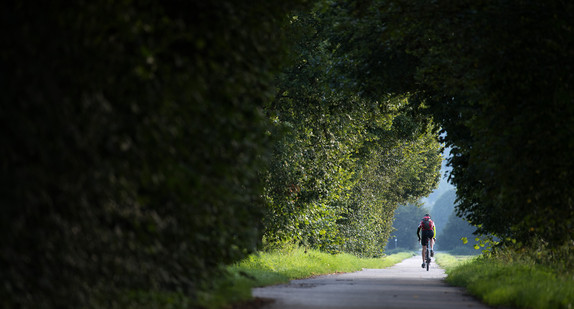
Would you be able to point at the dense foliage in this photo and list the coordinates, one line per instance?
(132, 137)
(497, 77)
(513, 168)
(343, 161)
(146, 144)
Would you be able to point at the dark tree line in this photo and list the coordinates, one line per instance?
(132, 139)
(497, 78)
(145, 144)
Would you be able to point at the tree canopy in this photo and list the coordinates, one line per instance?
(343, 161)
(147, 144)
(133, 135)
(504, 72)
(497, 78)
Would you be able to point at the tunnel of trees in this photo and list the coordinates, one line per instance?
(146, 144)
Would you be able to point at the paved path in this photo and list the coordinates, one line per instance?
(405, 285)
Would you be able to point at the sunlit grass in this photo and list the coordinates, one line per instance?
(268, 268)
(449, 261)
(297, 263)
(512, 284)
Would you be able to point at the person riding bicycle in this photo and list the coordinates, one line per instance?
(429, 232)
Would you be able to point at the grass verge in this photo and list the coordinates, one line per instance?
(449, 261)
(514, 284)
(281, 266)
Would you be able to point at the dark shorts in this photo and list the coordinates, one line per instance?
(426, 234)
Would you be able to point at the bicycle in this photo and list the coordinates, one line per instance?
(427, 255)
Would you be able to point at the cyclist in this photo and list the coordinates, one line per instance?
(429, 231)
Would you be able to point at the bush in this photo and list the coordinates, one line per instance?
(514, 278)
(132, 139)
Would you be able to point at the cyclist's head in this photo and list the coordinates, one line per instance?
(427, 215)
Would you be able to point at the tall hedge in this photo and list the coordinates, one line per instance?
(131, 140)
(496, 76)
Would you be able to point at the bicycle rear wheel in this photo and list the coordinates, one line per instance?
(428, 258)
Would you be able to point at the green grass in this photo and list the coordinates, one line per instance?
(449, 261)
(297, 263)
(281, 266)
(510, 283)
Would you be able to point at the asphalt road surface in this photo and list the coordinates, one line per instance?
(404, 285)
